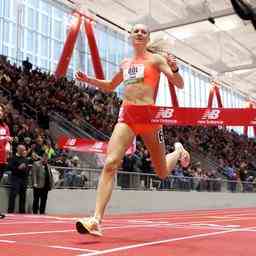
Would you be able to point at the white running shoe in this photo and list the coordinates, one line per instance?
(184, 154)
(89, 225)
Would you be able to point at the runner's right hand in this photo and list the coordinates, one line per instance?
(82, 77)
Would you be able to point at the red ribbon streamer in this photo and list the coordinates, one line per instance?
(94, 50)
(69, 45)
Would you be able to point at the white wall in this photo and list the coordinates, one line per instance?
(66, 201)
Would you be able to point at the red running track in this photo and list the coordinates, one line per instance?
(228, 232)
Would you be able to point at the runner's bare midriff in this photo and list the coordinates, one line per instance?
(139, 94)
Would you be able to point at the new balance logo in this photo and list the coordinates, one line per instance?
(71, 142)
(211, 114)
(98, 145)
(164, 113)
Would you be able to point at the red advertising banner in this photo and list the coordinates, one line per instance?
(167, 116)
(87, 145)
(190, 116)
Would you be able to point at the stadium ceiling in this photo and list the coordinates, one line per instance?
(206, 33)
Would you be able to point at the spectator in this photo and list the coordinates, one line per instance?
(4, 144)
(232, 178)
(4, 141)
(72, 176)
(19, 179)
(38, 147)
(49, 149)
(27, 66)
(43, 119)
(42, 180)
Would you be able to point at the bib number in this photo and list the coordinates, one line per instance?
(133, 74)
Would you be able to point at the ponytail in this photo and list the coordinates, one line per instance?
(160, 46)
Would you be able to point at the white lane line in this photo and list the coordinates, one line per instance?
(7, 241)
(180, 214)
(250, 229)
(46, 217)
(153, 224)
(70, 230)
(156, 243)
(72, 248)
(73, 230)
(185, 213)
(155, 221)
(148, 222)
(205, 222)
(182, 226)
(184, 217)
(38, 232)
(33, 222)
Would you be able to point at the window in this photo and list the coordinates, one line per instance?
(57, 47)
(30, 40)
(44, 45)
(6, 32)
(14, 33)
(31, 18)
(5, 50)
(44, 64)
(45, 24)
(57, 13)
(45, 7)
(33, 3)
(1, 8)
(57, 30)
(6, 8)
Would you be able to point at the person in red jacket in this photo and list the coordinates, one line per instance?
(4, 143)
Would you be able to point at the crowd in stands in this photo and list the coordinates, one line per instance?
(233, 152)
(44, 93)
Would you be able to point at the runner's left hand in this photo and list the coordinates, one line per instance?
(171, 60)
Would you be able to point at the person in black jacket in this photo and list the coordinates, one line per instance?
(19, 179)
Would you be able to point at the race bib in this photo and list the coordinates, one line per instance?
(133, 74)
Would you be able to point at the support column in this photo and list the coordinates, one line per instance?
(214, 90)
(173, 94)
(69, 45)
(249, 104)
(98, 70)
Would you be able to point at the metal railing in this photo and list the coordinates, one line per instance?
(97, 134)
(77, 131)
(86, 178)
(5, 92)
(29, 111)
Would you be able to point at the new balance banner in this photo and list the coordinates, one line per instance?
(189, 116)
(87, 145)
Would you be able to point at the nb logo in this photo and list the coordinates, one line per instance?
(164, 113)
(71, 142)
(211, 114)
(98, 145)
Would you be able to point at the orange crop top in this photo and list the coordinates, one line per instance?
(135, 72)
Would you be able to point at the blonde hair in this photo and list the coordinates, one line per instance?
(160, 45)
